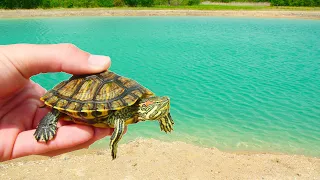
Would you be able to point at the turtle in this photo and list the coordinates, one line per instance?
(103, 100)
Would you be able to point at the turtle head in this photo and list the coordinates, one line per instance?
(153, 108)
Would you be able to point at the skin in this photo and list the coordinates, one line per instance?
(19, 98)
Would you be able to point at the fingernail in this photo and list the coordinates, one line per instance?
(99, 61)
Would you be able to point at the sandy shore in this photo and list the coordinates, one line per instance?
(120, 12)
(152, 159)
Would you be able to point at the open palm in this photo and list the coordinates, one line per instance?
(20, 110)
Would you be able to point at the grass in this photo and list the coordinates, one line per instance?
(220, 7)
(213, 7)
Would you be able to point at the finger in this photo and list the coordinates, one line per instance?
(32, 59)
(37, 88)
(66, 137)
(99, 133)
(19, 62)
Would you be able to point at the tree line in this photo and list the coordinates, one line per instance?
(30, 4)
(310, 3)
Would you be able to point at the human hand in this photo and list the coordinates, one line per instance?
(19, 98)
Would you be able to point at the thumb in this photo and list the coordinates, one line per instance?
(21, 61)
(31, 59)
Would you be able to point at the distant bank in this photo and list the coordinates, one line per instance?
(265, 13)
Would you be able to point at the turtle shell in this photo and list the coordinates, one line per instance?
(91, 96)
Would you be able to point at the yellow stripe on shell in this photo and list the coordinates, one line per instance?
(100, 125)
(70, 88)
(46, 103)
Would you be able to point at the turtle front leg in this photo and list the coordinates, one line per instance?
(47, 128)
(166, 123)
(116, 136)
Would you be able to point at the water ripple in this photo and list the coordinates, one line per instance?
(243, 84)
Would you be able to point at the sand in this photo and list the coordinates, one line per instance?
(153, 159)
(127, 12)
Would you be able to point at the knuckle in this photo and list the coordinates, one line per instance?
(69, 48)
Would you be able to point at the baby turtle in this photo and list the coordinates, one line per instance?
(102, 100)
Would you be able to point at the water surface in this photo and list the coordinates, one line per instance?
(235, 83)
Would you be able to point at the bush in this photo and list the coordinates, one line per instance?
(87, 3)
(131, 3)
(46, 4)
(2, 4)
(193, 2)
(146, 3)
(29, 4)
(105, 3)
(118, 3)
(295, 2)
(160, 2)
(69, 4)
(171, 2)
(24, 4)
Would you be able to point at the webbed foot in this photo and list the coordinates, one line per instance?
(47, 128)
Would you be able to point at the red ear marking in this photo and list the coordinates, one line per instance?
(148, 103)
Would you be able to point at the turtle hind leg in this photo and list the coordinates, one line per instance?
(116, 136)
(166, 123)
(46, 130)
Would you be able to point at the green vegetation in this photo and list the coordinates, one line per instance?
(296, 3)
(28, 4)
(310, 3)
(227, 1)
(162, 4)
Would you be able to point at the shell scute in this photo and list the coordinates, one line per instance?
(73, 106)
(61, 103)
(52, 100)
(69, 88)
(109, 91)
(87, 106)
(87, 90)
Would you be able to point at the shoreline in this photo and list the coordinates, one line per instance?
(130, 12)
(156, 159)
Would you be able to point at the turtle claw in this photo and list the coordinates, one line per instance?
(114, 152)
(45, 133)
(47, 127)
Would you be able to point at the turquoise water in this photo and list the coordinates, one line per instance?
(238, 84)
